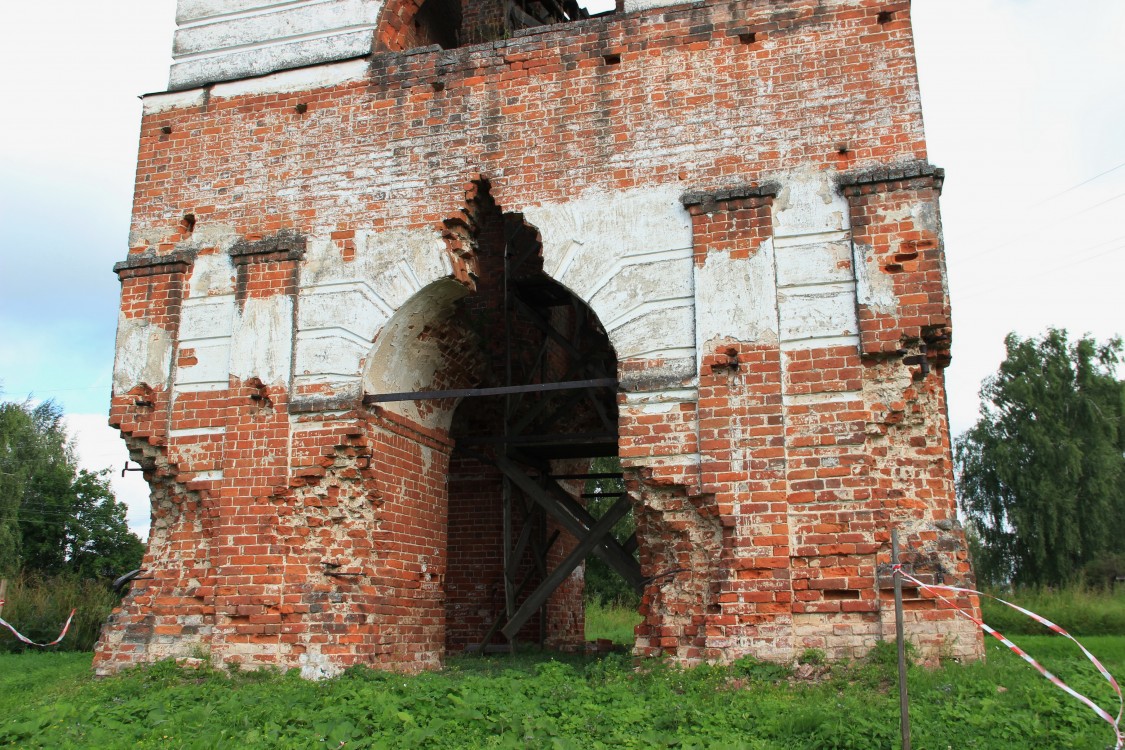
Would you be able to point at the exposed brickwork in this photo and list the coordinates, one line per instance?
(731, 200)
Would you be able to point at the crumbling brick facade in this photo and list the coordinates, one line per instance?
(727, 207)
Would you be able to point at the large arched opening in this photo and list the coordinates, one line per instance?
(520, 376)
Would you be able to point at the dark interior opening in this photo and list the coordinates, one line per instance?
(518, 472)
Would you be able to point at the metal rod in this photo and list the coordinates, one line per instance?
(903, 702)
(567, 385)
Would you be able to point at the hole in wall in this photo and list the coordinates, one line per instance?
(749, 37)
(611, 59)
(188, 223)
(885, 17)
(836, 595)
(451, 23)
(437, 22)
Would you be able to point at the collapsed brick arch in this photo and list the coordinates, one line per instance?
(408, 24)
(399, 27)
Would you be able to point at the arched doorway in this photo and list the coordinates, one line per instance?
(542, 406)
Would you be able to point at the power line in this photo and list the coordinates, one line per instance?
(1087, 181)
(973, 289)
(1038, 228)
(1051, 270)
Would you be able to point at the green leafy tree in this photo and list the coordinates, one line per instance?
(1041, 476)
(54, 517)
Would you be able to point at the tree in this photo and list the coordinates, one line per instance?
(1041, 476)
(55, 517)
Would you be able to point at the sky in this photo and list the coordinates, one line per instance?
(1024, 105)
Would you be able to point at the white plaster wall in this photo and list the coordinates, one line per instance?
(261, 343)
(629, 256)
(816, 291)
(343, 305)
(401, 362)
(736, 299)
(632, 5)
(874, 287)
(228, 39)
(144, 355)
(207, 321)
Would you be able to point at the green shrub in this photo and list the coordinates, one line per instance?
(38, 606)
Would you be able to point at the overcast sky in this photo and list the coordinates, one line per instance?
(1024, 104)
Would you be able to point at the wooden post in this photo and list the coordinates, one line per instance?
(903, 703)
(3, 593)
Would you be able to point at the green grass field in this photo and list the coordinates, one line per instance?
(50, 700)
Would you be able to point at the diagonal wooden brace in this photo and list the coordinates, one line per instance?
(577, 520)
(595, 537)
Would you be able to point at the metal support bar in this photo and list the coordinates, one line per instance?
(604, 475)
(541, 439)
(595, 537)
(903, 701)
(503, 390)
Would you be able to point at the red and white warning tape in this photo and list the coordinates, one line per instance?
(1101, 712)
(27, 640)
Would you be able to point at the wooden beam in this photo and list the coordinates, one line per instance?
(595, 537)
(575, 519)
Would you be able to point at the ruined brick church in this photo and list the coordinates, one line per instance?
(401, 271)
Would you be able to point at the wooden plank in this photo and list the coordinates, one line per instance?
(595, 537)
(500, 619)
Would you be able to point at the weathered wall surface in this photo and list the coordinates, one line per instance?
(739, 192)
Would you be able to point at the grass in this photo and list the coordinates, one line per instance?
(612, 623)
(50, 700)
(1081, 611)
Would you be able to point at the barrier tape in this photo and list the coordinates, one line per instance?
(1102, 713)
(27, 640)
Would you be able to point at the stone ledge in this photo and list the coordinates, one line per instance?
(150, 264)
(285, 245)
(708, 200)
(899, 173)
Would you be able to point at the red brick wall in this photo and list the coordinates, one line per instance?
(765, 482)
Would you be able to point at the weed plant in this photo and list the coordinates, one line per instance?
(538, 701)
